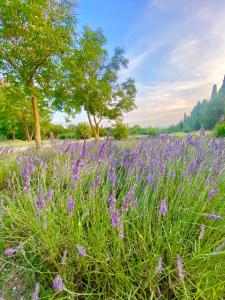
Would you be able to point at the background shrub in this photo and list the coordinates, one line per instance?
(67, 136)
(220, 130)
(152, 131)
(83, 131)
(120, 131)
(103, 131)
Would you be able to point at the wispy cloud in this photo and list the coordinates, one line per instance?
(194, 62)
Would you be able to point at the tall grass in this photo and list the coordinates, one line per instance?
(134, 220)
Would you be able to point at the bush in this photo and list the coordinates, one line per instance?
(136, 129)
(103, 131)
(220, 130)
(152, 131)
(120, 131)
(67, 136)
(83, 131)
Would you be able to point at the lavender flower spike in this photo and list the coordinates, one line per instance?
(213, 216)
(115, 218)
(49, 195)
(159, 268)
(71, 205)
(58, 283)
(10, 251)
(35, 295)
(212, 193)
(180, 270)
(41, 201)
(81, 250)
(163, 210)
(202, 231)
(219, 248)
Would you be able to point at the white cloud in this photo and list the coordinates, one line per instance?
(165, 103)
(195, 63)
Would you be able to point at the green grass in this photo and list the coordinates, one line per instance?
(115, 268)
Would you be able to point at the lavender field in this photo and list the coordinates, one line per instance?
(141, 219)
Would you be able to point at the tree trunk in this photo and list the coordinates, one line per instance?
(96, 132)
(95, 128)
(32, 134)
(37, 128)
(27, 134)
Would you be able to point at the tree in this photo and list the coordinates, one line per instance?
(34, 35)
(91, 82)
(16, 116)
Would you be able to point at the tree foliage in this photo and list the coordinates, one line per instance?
(120, 131)
(34, 35)
(90, 81)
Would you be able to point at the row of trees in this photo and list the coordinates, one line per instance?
(206, 113)
(138, 130)
(46, 65)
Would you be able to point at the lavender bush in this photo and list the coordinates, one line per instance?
(142, 219)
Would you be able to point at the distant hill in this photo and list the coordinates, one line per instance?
(206, 113)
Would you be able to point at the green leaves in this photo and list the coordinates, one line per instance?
(90, 80)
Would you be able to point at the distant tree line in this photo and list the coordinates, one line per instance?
(206, 113)
(138, 130)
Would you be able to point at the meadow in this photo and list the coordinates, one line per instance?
(135, 219)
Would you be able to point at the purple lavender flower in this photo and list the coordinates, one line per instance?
(115, 218)
(26, 172)
(40, 202)
(76, 170)
(81, 250)
(135, 202)
(112, 201)
(121, 231)
(163, 210)
(84, 152)
(212, 193)
(96, 182)
(213, 216)
(71, 205)
(180, 270)
(112, 177)
(49, 195)
(149, 179)
(159, 267)
(101, 151)
(10, 251)
(58, 283)
(127, 199)
(35, 295)
(219, 248)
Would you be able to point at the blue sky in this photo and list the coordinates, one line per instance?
(176, 50)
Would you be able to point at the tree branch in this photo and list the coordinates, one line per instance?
(9, 60)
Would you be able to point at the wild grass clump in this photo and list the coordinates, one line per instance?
(137, 220)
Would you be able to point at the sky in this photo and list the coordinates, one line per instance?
(176, 52)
